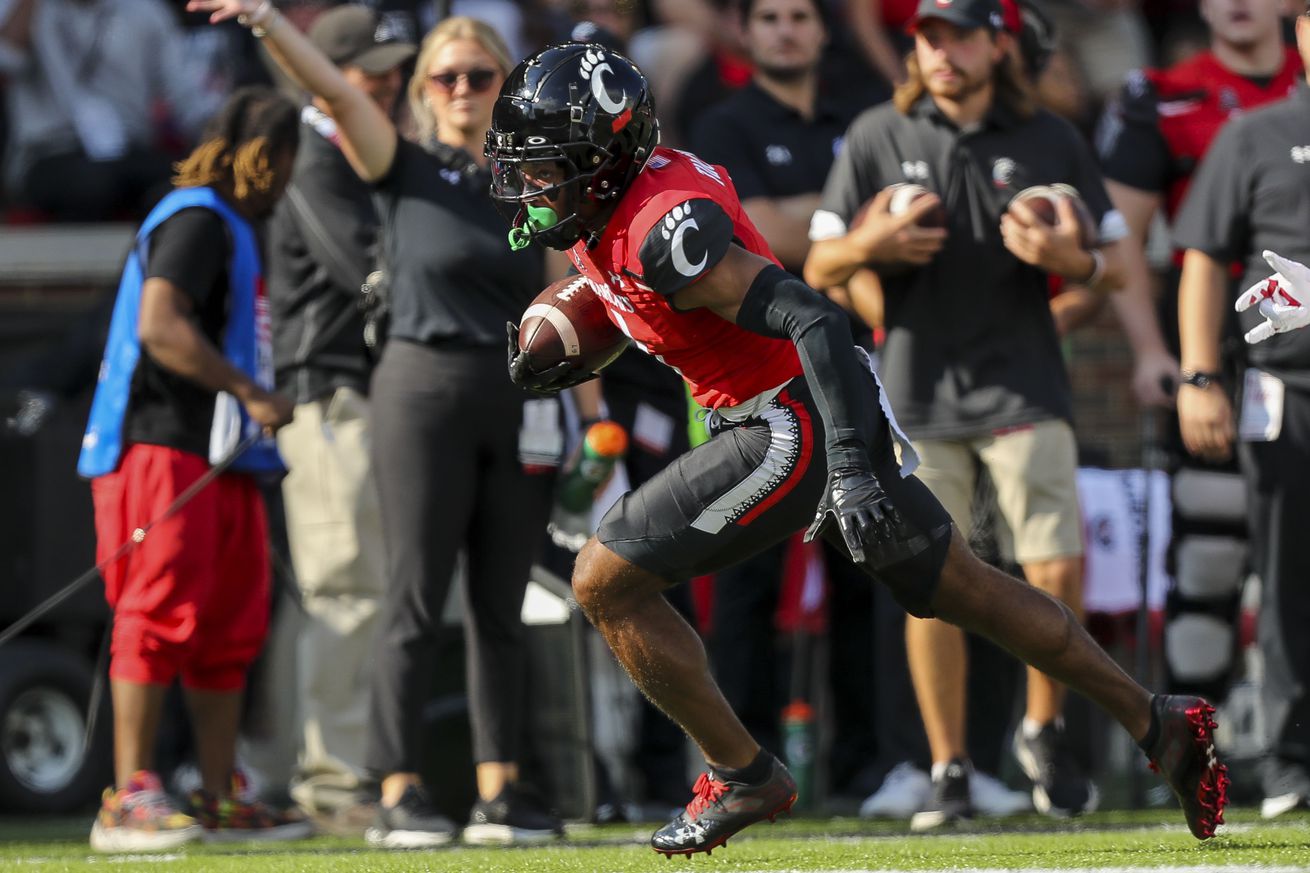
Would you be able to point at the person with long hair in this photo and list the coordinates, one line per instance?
(186, 381)
(461, 461)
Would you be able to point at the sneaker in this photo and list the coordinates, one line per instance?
(141, 818)
(951, 802)
(1184, 754)
(1287, 787)
(1060, 787)
(517, 815)
(904, 791)
(413, 823)
(240, 817)
(992, 798)
(721, 808)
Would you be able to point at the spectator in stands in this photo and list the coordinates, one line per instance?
(183, 360)
(323, 243)
(461, 461)
(964, 127)
(87, 80)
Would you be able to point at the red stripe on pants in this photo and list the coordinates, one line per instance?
(802, 463)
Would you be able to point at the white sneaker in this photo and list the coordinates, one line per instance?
(992, 798)
(904, 791)
(1273, 807)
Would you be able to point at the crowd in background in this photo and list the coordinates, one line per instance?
(402, 459)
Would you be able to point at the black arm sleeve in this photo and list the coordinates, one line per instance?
(782, 306)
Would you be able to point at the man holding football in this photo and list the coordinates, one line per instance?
(800, 422)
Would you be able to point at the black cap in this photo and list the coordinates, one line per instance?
(356, 36)
(963, 13)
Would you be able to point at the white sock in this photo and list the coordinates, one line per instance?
(1032, 728)
(939, 767)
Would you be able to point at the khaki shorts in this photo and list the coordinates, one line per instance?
(1034, 469)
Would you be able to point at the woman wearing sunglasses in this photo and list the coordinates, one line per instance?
(455, 464)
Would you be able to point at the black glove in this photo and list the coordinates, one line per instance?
(548, 382)
(872, 529)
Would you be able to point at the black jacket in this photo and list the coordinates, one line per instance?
(315, 268)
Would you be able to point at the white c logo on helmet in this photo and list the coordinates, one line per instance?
(594, 67)
(602, 94)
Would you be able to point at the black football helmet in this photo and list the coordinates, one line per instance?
(579, 105)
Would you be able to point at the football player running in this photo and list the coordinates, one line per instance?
(1282, 298)
(799, 422)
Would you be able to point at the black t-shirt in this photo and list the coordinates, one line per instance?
(768, 148)
(191, 250)
(1251, 193)
(971, 346)
(454, 280)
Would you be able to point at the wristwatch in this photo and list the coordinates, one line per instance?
(1199, 379)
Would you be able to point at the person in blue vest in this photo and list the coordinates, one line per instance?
(186, 383)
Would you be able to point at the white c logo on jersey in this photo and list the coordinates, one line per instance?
(680, 262)
(602, 94)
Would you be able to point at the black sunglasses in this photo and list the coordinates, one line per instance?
(478, 80)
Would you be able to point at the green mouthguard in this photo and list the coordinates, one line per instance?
(539, 218)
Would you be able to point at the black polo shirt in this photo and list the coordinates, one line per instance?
(971, 347)
(1251, 193)
(768, 148)
(454, 280)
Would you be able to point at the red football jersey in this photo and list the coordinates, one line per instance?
(1196, 97)
(672, 226)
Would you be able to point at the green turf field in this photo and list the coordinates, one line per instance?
(1105, 841)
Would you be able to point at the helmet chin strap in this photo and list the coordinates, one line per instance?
(539, 218)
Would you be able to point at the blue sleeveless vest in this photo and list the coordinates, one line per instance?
(247, 339)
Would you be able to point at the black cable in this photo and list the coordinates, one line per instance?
(138, 536)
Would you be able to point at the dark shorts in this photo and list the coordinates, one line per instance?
(756, 483)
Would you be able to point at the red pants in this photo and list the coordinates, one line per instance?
(192, 599)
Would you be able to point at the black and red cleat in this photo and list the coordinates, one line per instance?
(721, 808)
(1184, 754)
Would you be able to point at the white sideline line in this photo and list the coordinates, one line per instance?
(1198, 868)
(144, 858)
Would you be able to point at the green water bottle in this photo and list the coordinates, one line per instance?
(603, 445)
(798, 744)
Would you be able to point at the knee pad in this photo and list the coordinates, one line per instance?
(913, 582)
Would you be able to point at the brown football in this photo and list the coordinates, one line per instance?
(904, 194)
(1041, 200)
(567, 322)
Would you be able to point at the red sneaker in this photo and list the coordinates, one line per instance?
(721, 808)
(1184, 755)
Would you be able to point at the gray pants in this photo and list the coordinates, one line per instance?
(445, 452)
(335, 531)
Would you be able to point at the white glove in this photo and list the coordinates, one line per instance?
(1282, 298)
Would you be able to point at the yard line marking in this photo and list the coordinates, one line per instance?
(1194, 868)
